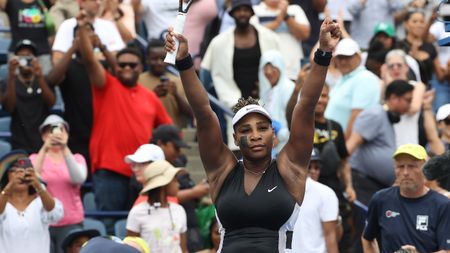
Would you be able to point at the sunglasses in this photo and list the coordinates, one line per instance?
(393, 65)
(129, 64)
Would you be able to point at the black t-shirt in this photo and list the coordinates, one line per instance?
(77, 95)
(28, 114)
(321, 136)
(426, 67)
(245, 68)
(186, 182)
(27, 22)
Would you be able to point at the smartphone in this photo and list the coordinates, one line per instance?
(56, 129)
(163, 79)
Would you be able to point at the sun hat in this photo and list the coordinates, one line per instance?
(146, 153)
(9, 159)
(157, 174)
(414, 150)
(347, 47)
(53, 120)
(250, 109)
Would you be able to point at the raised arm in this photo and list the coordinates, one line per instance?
(9, 96)
(95, 70)
(3, 4)
(216, 157)
(57, 74)
(298, 149)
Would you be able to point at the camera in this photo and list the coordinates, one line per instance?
(56, 129)
(25, 61)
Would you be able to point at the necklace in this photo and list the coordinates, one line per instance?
(255, 173)
(28, 84)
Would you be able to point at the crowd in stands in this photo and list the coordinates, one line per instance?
(88, 106)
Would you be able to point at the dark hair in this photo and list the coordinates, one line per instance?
(154, 43)
(75, 29)
(242, 102)
(131, 50)
(154, 194)
(411, 12)
(398, 88)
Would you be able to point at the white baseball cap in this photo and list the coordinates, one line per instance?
(347, 47)
(443, 112)
(250, 109)
(146, 153)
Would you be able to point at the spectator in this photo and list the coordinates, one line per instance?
(26, 19)
(160, 223)
(396, 68)
(70, 74)
(144, 155)
(75, 239)
(371, 144)
(26, 96)
(355, 91)
(106, 31)
(317, 231)
(424, 52)
(122, 14)
(26, 207)
(441, 80)
(443, 119)
(367, 13)
(139, 111)
(383, 41)
(291, 24)
(64, 9)
(166, 85)
(335, 171)
(232, 58)
(157, 15)
(214, 237)
(168, 137)
(201, 14)
(417, 217)
(275, 89)
(64, 173)
(312, 9)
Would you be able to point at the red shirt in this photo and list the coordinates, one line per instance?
(124, 119)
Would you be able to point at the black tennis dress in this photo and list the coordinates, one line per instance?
(261, 222)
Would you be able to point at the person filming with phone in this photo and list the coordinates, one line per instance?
(26, 207)
(26, 95)
(64, 173)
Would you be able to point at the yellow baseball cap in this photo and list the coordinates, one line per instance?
(413, 150)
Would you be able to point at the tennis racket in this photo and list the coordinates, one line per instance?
(178, 28)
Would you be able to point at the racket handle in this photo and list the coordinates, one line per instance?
(178, 29)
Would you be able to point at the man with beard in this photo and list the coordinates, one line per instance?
(124, 114)
(231, 61)
(27, 97)
(166, 85)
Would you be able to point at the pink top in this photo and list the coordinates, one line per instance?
(59, 185)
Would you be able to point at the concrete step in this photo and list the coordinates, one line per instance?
(189, 134)
(192, 151)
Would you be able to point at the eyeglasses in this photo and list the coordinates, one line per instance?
(447, 121)
(393, 65)
(125, 64)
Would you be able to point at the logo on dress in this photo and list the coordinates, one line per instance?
(270, 190)
(422, 222)
(391, 214)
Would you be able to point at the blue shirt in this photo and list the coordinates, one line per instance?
(359, 89)
(422, 222)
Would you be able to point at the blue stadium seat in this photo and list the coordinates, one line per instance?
(120, 229)
(89, 202)
(89, 223)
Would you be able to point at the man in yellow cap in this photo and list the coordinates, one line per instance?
(409, 215)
